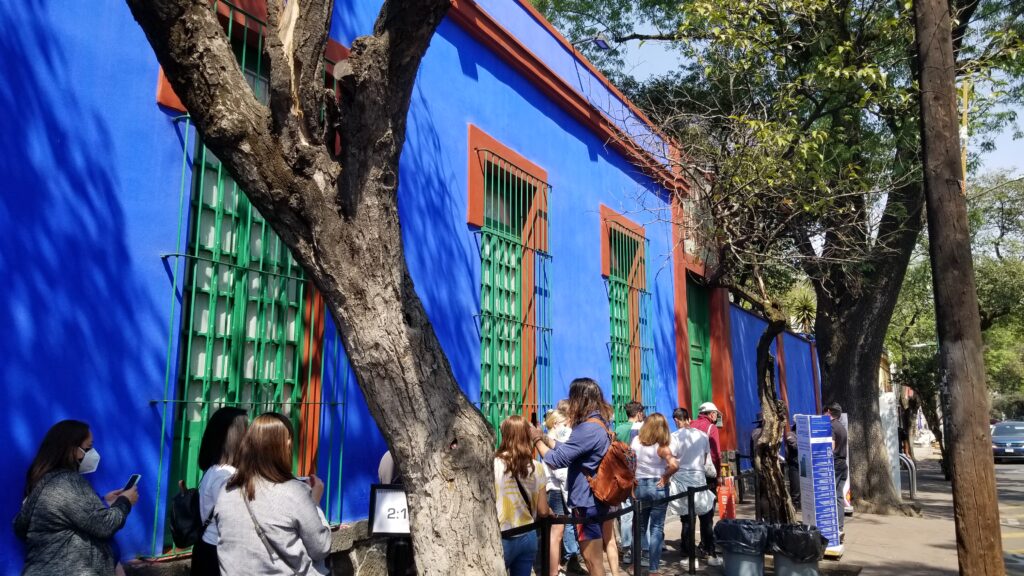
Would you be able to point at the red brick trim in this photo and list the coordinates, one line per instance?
(722, 382)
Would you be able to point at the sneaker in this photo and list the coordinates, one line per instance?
(645, 559)
(626, 558)
(714, 561)
(701, 553)
(685, 564)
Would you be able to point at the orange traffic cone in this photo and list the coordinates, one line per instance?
(726, 499)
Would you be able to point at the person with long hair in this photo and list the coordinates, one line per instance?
(217, 453)
(655, 465)
(519, 493)
(268, 520)
(66, 527)
(582, 453)
(562, 535)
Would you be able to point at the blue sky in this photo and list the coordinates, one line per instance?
(652, 58)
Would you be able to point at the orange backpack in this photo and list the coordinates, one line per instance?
(616, 474)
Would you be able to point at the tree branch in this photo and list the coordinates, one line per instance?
(191, 46)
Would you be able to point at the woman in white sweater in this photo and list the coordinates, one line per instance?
(264, 496)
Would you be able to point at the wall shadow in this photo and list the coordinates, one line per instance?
(78, 324)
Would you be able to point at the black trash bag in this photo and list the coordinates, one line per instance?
(798, 542)
(742, 536)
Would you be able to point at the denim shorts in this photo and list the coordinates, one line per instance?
(592, 531)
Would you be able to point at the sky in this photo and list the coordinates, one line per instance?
(652, 58)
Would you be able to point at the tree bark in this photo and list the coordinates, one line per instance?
(975, 506)
(340, 219)
(850, 331)
(766, 452)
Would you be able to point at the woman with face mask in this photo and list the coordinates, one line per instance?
(66, 527)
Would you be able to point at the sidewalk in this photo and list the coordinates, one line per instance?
(875, 545)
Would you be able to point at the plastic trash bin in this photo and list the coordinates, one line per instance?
(797, 549)
(743, 543)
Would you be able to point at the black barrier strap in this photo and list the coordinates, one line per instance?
(544, 525)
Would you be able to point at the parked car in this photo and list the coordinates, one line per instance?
(1008, 441)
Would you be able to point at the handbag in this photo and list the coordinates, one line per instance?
(272, 550)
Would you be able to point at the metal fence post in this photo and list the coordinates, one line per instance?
(637, 534)
(545, 546)
(692, 536)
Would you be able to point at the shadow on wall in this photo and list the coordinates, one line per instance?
(77, 325)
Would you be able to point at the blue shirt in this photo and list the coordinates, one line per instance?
(581, 454)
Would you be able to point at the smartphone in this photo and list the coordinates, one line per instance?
(132, 481)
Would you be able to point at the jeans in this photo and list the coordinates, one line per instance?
(520, 552)
(652, 518)
(558, 507)
(626, 527)
(841, 473)
(707, 521)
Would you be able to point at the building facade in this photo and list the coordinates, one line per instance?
(143, 291)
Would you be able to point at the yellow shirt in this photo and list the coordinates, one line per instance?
(512, 510)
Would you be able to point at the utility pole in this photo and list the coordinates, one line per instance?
(975, 507)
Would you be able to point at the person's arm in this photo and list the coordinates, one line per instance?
(84, 510)
(672, 465)
(310, 521)
(541, 494)
(566, 452)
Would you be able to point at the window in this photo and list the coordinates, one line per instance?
(508, 205)
(251, 330)
(624, 250)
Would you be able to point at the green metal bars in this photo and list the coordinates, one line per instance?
(515, 336)
(629, 309)
(251, 329)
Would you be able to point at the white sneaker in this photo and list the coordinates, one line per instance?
(685, 564)
(714, 561)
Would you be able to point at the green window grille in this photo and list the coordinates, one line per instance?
(251, 327)
(515, 334)
(629, 310)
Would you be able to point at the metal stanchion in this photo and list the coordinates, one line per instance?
(637, 534)
(692, 537)
(545, 546)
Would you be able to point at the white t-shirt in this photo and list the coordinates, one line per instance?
(691, 448)
(557, 478)
(213, 481)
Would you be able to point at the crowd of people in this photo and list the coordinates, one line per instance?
(578, 435)
(258, 518)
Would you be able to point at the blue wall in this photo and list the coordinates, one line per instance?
(799, 378)
(460, 83)
(91, 172)
(746, 330)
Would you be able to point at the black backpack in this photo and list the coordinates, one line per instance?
(187, 525)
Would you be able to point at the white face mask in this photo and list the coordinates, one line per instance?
(90, 462)
(560, 432)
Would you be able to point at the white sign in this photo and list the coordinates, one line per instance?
(389, 510)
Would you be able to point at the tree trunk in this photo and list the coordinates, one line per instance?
(850, 329)
(339, 217)
(772, 481)
(975, 506)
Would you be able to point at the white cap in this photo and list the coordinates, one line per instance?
(707, 407)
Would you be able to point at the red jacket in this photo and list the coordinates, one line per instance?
(705, 425)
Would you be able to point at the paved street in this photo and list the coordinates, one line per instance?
(1010, 481)
(923, 546)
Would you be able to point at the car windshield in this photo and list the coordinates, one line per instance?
(1009, 430)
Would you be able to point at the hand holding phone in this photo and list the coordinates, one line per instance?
(132, 481)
